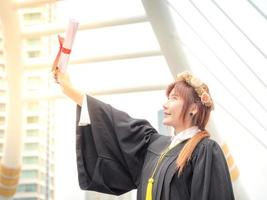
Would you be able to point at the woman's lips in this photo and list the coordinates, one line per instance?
(166, 114)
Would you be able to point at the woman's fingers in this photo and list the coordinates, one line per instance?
(55, 69)
(55, 63)
(55, 74)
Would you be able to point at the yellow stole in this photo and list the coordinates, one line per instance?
(185, 153)
(151, 179)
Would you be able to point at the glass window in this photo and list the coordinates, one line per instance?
(2, 120)
(42, 176)
(30, 160)
(32, 106)
(33, 16)
(2, 132)
(2, 82)
(27, 188)
(2, 67)
(33, 41)
(2, 107)
(29, 174)
(32, 119)
(31, 146)
(2, 92)
(51, 193)
(43, 190)
(42, 162)
(34, 54)
(32, 132)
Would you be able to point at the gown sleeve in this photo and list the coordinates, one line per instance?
(110, 151)
(211, 179)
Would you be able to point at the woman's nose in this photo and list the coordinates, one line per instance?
(165, 105)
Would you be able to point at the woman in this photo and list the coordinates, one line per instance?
(116, 153)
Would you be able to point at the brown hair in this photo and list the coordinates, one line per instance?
(200, 119)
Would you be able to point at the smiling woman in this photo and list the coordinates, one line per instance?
(126, 53)
(117, 153)
(191, 96)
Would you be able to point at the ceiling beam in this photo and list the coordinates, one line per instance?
(107, 58)
(164, 28)
(51, 29)
(33, 3)
(52, 96)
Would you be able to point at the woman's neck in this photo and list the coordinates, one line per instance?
(182, 128)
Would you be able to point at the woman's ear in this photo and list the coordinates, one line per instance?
(193, 109)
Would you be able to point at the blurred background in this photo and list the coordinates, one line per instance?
(125, 53)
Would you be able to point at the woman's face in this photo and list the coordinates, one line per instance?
(172, 110)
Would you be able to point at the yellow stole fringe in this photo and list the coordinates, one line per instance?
(149, 188)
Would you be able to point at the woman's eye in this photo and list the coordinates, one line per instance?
(173, 98)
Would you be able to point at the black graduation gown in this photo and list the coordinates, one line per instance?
(117, 153)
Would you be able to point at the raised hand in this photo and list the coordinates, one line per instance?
(63, 79)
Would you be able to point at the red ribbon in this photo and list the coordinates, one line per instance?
(61, 49)
(65, 50)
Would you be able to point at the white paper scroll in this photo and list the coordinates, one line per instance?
(67, 45)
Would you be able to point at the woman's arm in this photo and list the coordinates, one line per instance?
(67, 88)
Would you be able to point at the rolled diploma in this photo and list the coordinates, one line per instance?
(67, 44)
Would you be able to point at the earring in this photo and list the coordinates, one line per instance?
(191, 114)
